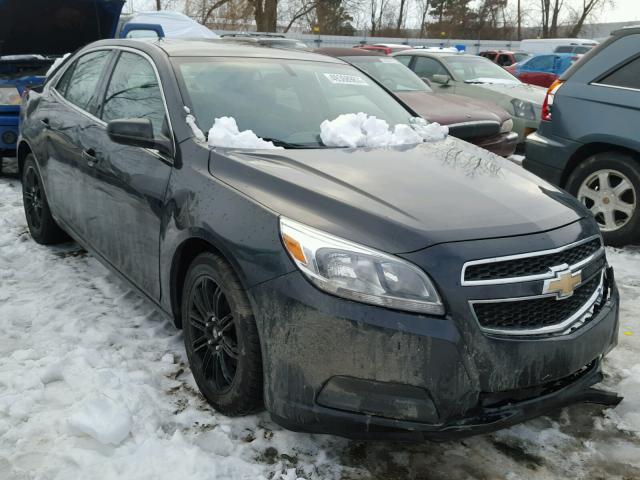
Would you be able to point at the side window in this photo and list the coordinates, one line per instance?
(84, 76)
(543, 63)
(428, 67)
(63, 83)
(134, 92)
(404, 59)
(627, 76)
(504, 60)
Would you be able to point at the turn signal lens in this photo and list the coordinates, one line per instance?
(294, 248)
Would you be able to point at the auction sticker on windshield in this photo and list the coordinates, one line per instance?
(342, 79)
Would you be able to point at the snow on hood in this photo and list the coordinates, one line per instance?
(225, 133)
(174, 24)
(361, 130)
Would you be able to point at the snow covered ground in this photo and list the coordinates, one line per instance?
(93, 384)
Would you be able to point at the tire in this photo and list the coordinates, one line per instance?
(620, 174)
(218, 323)
(42, 226)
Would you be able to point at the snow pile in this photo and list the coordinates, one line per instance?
(225, 133)
(494, 81)
(361, 130)
(102, 419)
(191, 122)
(72, 335)
(58, 61)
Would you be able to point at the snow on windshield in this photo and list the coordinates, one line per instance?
(361, 130)
(225, 133)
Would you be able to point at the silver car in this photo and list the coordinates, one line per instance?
(478, 77)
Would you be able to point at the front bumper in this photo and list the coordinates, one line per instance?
(8, 133)
(504, 144)
(336, 366)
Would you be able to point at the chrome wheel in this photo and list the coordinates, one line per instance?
(610, 196)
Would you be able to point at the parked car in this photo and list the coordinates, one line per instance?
(481, 123)
(30, 44)
(549, 45)
(385, 48)
(424, 291)
(479, 78)
(543, 70)
(505, 58)
(273, 42)
(588, 140)
(575, 49)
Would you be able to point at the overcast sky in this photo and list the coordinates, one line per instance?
(624, 11)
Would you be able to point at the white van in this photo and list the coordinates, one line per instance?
(549, 45)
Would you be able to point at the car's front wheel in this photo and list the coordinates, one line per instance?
(221, 337)
(42, 225)
(608, 184)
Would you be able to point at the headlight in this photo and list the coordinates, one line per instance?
(359, 273)
(523, 109)
(9, 96)
(506, 126)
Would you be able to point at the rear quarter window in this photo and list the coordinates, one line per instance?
(627, 76)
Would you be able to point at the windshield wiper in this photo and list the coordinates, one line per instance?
(281, 143)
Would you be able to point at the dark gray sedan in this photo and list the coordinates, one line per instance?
(427, 290)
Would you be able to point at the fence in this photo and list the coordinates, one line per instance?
(471, 46)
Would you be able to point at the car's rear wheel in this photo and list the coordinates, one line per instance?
(221, 337)
(608, 184)
(42, 226)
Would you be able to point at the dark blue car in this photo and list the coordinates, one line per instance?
(30, 44)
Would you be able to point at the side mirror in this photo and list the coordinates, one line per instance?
(137, 132)
(426, 80)
(441, 79)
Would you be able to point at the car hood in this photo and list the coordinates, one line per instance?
(55, 27)
(399, 199)
(531, 93)
(447, 108)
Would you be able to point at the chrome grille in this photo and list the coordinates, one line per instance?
(531, 266)
(531, 314)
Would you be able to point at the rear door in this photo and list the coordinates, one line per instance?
(68, 115)
(128, 184)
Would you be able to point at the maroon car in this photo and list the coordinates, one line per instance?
(481, 123)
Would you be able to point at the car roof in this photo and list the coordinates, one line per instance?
(427, 53)
(225, 47)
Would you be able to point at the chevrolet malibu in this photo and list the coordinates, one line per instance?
(420, 291)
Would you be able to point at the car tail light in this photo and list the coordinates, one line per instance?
(547, 106)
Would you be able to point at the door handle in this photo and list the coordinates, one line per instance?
(90, 156)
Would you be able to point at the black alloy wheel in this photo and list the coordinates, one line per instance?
(221, 337)
(214, 337)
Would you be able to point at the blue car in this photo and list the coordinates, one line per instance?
(29, 45)
(544, 69)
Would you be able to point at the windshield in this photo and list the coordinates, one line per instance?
(479, 70)
(520, 57)
(389, 72)
(282, 100)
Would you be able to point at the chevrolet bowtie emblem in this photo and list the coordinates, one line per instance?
(563, 284)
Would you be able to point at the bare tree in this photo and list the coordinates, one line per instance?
(588, 7)
(550, 11)
(298, 10)
(266, 14)
(423, 11)
(403, 4)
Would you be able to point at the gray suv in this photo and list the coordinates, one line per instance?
(588, 141)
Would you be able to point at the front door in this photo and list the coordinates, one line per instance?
(129, 183)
